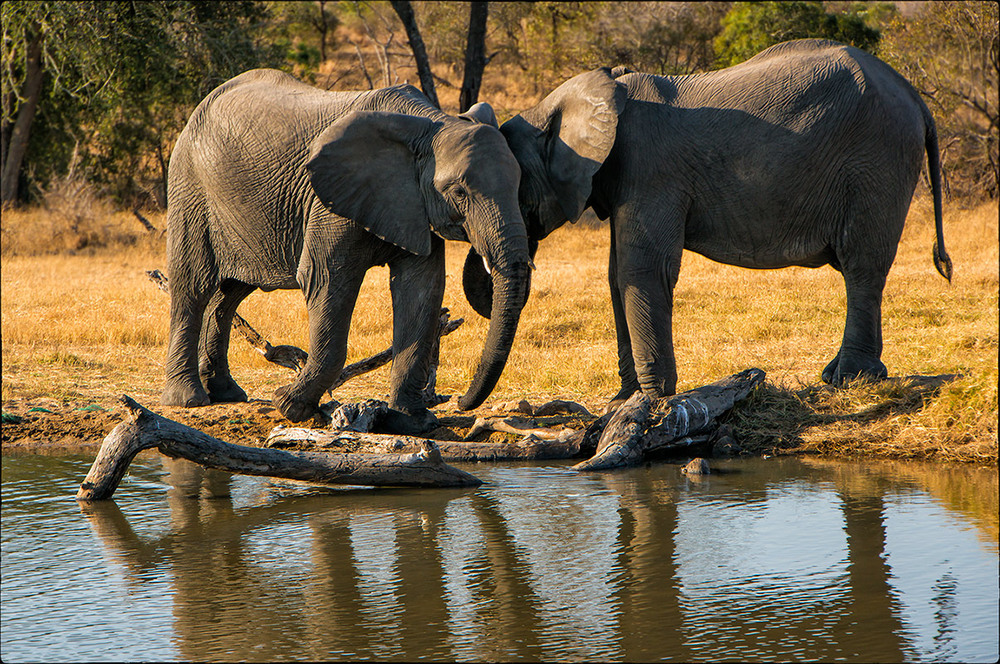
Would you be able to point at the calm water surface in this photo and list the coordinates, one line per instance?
(776, 559)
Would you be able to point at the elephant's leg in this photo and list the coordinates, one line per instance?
(861, 350)
(647, 273)
(626, 365)
(417, 287)
(330, 305)
(213, 353)
(183, 386)
(865, 258)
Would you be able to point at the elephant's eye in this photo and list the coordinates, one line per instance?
(459, 199)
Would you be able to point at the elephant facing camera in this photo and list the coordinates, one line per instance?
(276, 184)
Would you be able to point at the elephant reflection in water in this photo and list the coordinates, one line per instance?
(491, 574)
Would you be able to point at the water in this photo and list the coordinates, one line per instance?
(777, 559)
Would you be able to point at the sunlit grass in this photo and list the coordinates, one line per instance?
(91, 325)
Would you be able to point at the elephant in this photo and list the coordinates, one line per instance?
(276, 184)
(807, 154)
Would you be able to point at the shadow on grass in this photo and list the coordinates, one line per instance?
(776, 419)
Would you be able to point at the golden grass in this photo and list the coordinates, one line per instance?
(89, 326)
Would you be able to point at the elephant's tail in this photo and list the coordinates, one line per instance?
(941, 259)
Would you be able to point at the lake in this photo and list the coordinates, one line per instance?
(769, 559)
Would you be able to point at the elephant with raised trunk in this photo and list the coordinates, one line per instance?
(276, 184)
(807, 154)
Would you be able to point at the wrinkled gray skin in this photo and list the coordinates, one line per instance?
(807, 154)
(276, 184)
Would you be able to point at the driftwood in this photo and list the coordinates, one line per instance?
(142, 220)
(554, 407)
(528, 448)
(294, 358)
(627, 436)
(519, 426)
(145, 429)
(640, 426)
(352, 427)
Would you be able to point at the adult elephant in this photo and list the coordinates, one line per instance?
(806, 154)
(276, 184)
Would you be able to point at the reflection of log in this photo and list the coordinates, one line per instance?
(528, 447)
(146, 429)
(294, 358)
(640, 426)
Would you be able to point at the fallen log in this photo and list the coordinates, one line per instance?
(518, 426)
(621, 442)
(150, 228)
(694, 411)
(528, 448)
(145, 429)
(554, 407)
(640, 426)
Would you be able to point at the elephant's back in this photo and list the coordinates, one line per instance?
(800, 85)
(280, 112)
(239, 165)
(778, 146)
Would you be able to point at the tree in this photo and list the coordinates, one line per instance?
(404, 10)
(664, 38)
(114, 82)
(35, 40)
(950, 53)
(750, 27)
(475, 56)
(296, 26)
(448, 29)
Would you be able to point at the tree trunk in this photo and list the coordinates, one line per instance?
(17, 145)
(528, 448)
(405, 12)
(145, 429)
(641, 426)
(475, 55)
(322, 27)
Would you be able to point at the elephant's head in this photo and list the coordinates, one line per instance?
(404, 177)
(560, 144)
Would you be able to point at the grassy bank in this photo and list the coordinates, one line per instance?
(81, 324)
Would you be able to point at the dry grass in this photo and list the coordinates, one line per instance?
(83, 327)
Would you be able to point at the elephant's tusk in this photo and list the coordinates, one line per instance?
(487, 266)
(531, 263)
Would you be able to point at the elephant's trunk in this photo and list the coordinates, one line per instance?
(510, 292)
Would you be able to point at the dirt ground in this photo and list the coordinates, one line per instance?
(47, 426)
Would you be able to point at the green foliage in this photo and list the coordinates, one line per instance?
(665, 38)
(550, 41)
(750, 27)
(119, 81)
(121, 78)
(304, 32)
(444, 28)
(950, 53)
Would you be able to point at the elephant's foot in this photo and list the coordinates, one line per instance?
(417, 422)
(185, 395)
(223, 389)
(846, 368)
(623, 395)
(292, 406)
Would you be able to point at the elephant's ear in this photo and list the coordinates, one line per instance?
(578, 122)
(364, 167)
(482, 113)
